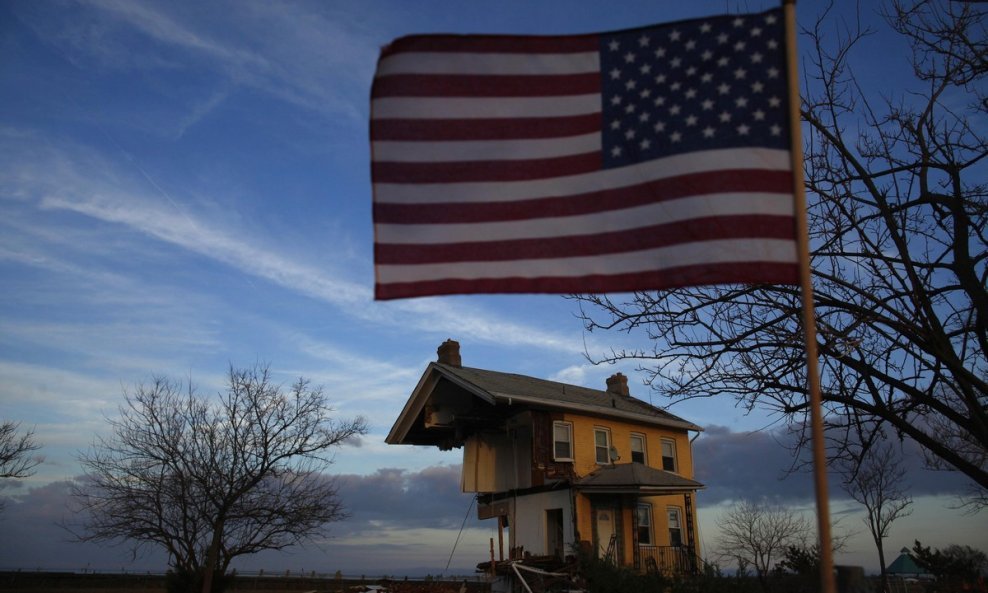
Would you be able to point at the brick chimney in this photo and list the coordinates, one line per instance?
(449, 353)
(618, 385)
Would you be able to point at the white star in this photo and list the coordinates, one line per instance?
(613, 45)
(690, 44)
(690, 93)
(773, 44)
(630, 84)
(739, 46)
(616, 100)
(616, 124)
(707, 77)
(774, 102)
(629, 57)
(674, 35)
(741, 102)
(724, 88)
(660, 52)
(691, 120)
(722, 61)
(691, 71)
(708, 132)
(773, 72)
(675, 137)
(707, 104)
(756, 58)
(645, 144)
(757, 87)
(756, 31)
(675, 86)
(706, 55)
(616, 151)
(759, 115)
(770, 19)
(660, 101)
(659, 126)
(660, 79)
(725, 116)
(722, 38)
(645, 69)
(643, 41)
(743, 130)
(629, 134)
(705, 28)
(674, 110)
(629, 108)
(645, 93)
(615, 74)
(740, 73)
(675, 62)
(643, 116)
(776, 130)
(738, 22)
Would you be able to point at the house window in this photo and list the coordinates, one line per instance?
(675, 527)
(669, 455)
(645, 525)
(638, 448)
(602, 445)
(562, 441)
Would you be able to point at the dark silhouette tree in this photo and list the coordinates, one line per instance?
(16, 460)
(898, 202)
(209, 480)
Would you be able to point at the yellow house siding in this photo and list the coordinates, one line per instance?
(584, 457)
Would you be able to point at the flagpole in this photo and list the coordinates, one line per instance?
(827, 584)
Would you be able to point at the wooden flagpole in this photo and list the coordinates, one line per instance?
(827, 583)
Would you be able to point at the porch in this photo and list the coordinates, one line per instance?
(668, 560)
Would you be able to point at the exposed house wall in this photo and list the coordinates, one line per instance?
(489, 463)
(531, 533)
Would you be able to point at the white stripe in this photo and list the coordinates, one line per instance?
(672, 211)
(484, 107)
(687, 254)
(681, 164)
(484, 150)
(488, 63)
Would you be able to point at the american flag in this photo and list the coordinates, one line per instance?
(634, 160)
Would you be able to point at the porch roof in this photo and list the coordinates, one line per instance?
(635, 478)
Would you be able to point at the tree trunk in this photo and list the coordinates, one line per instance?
(881, 559)
(212, 557)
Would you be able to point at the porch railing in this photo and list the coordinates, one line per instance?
(666, 559)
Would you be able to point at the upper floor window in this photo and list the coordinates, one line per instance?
(638, 448)
(645, 524)
(669, 455)
(602, 445)
(562, 441)
(675, 527)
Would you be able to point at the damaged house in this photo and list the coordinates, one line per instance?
(560, 466)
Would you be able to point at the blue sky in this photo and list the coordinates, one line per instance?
(186, 185)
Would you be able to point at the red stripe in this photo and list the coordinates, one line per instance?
(480, 171)
(484, 129)
(638, 239)
(511, 44)
(696, 184)
(699, 275)
(467, 85)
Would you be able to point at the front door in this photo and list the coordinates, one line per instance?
(606, 531)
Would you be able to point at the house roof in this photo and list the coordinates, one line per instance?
(494, 393)
(634, 478)
(905, 564)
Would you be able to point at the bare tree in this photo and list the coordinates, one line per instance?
(16, 460)
(897, 219)
(879, 485)
(757, 534)
(209, 481)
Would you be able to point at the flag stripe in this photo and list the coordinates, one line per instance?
(469, 108)
(480, 171)
(680, 211)
(711, 162)
(654, 279)
(488, 63)
(682, 254)
(643, 237)
(484, 129)
(738, 180)
(463, 85)
(504, 44)
(536, 148)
